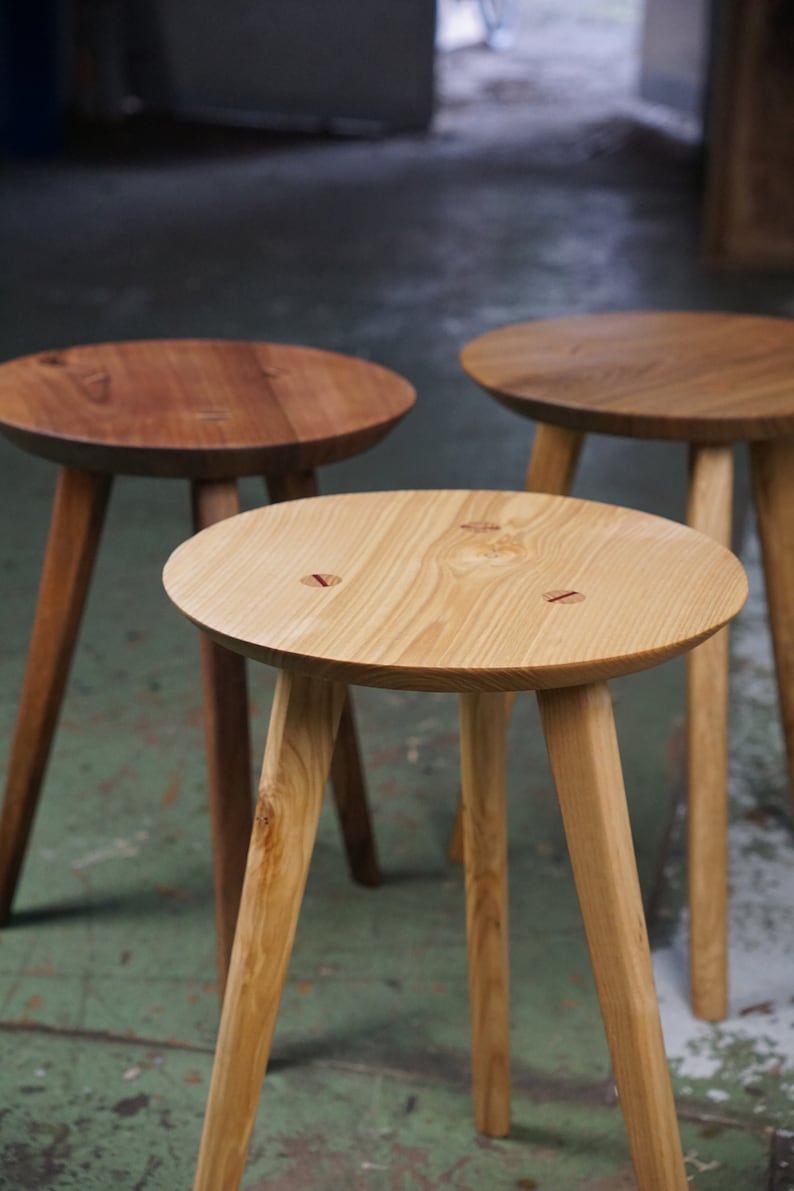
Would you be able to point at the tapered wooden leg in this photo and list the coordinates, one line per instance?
(77, 517)
(347, 772)
(552, 464)
(297, 757)
(227, 742)
(456, 844)
(483, 730)
(552, 469)
(773, 486)
(710, 507)
(583, 750)
(350, 797)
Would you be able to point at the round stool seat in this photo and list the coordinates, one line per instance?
(480, 593)
(712, 378)
(206, 409)
(447, 590)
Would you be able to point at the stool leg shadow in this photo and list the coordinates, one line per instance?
(483, 731)
(227, 743)
(709, 511)
(773, 487)
(78, 514)
(300, 741)
(552, 469)
(583, 750)
(347, 772)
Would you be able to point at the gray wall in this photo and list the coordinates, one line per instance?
(325, 61)
(675, 53)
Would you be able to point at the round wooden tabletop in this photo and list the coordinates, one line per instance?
(213, 409)
(695, 377)
(459, 591)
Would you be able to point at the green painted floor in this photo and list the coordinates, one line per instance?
(400, 251)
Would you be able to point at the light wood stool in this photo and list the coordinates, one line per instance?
(710, 380)
(478, 593)
(209, 411)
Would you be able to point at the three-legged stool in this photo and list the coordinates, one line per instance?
(710, 380)
(209, 412)
(479, 593)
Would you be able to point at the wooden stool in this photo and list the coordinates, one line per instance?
(710, 380)
(478, 593)
(207, 411)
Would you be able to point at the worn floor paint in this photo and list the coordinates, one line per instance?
(521, 203)
(746, 1063)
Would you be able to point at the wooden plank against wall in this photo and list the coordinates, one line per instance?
(749, 207)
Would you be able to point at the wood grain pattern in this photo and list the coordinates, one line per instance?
(483, 731)
(210, 409)
(347, 771)
(583, 751)
(715, 378)
(227, 743)
(431, 598)
(710, 511)
(78, 515)
(773, 489)
(297, 758)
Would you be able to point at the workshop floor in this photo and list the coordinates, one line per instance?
(530, 198)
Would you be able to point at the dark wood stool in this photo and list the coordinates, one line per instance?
(209, 411)
(478, 593)
(710, 380)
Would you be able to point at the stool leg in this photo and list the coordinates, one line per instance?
(583, 750)
(347, 771)
(773, 485)
(350, 797)
(710, 505)
(78, 514)
(552, 468)
(483, 729)
(455, 846)
(227, 742)
(552, 464)
(297, 757)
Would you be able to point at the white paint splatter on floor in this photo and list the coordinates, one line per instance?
(758, 1037)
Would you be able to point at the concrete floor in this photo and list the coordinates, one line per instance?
(542, 190)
